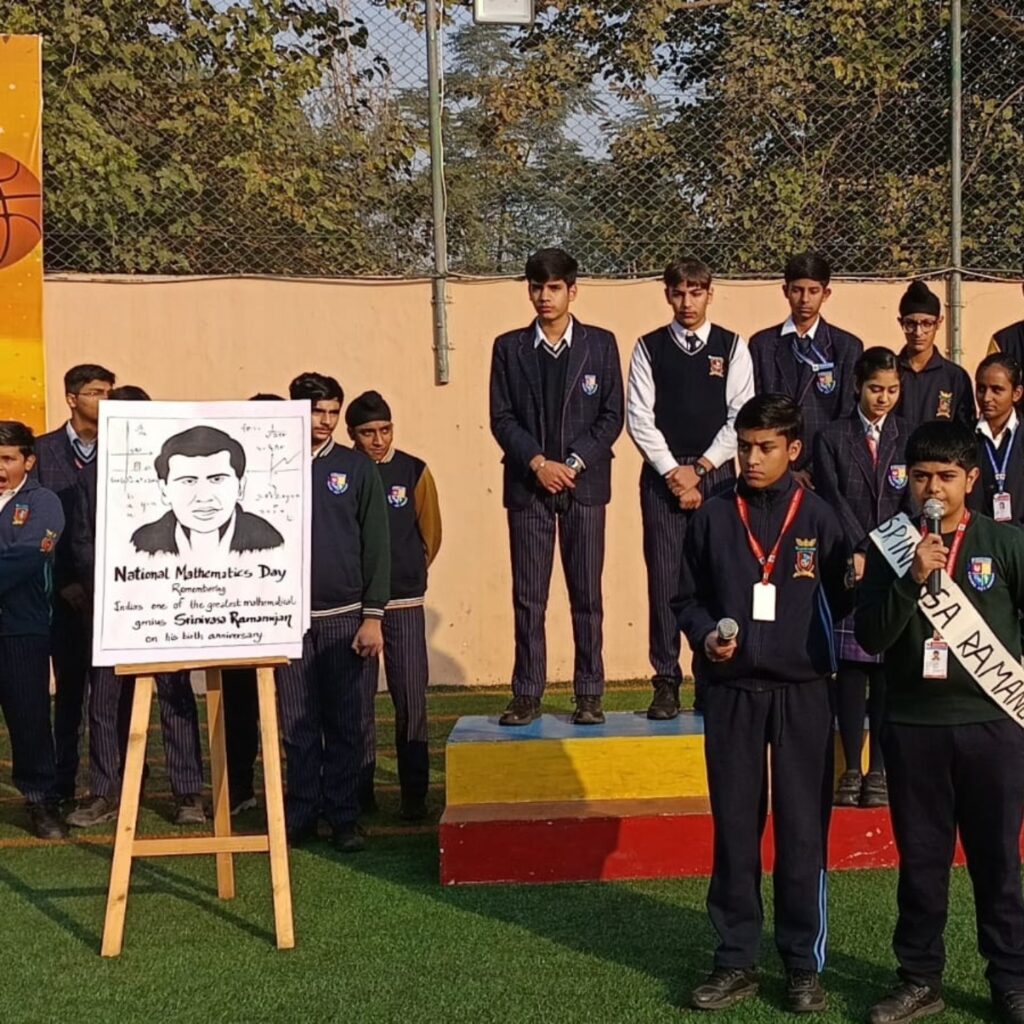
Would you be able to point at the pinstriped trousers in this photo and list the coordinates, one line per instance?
(580, 531)
(110, 710)
(321, 702)
(25, 702)
(664, 534)
(407, 673)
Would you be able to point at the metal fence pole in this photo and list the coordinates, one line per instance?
(956, 226)
(440, 277)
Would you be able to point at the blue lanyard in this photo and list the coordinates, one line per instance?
(1000, 471)
(824, 364)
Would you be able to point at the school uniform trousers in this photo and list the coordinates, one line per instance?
(950, 779)
(321, 699)
(58, 469)
(407, 674)
(25, 702)
(794, 720)
(241, 731)
(592, 415)
(110, 704)
(664, 534)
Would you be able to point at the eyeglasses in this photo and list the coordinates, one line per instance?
(94, 393)
(910, 326)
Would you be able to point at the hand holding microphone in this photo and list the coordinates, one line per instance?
(720, 645)
(930, 557)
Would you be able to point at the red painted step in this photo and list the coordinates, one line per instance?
(583, 841)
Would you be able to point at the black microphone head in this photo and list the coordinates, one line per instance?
(933, 509)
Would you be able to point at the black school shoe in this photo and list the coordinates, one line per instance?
(906, 1003)
(873, 790)
(413, 808)
(588, 711)
(665, 702)
(302, 835)
(346, 839)
(724, 987)
(848, 790)
(46, 821)
(804, 993)
(1009, 1006)
(522, 710)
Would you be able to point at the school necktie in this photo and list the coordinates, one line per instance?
(691, 342)
(872, 444)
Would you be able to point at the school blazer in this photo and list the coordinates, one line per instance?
(863, 494)
(592, 413)
(57, 471)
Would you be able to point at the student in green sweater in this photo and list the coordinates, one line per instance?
(954, 753)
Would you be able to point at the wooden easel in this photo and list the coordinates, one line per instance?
(222, 843)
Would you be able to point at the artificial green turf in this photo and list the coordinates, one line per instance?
(379, 940)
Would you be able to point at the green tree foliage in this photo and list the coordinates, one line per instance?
(181, 136)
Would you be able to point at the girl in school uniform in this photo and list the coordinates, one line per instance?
(999, 492)
(861, 471)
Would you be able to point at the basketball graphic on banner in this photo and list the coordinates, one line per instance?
(21, 211)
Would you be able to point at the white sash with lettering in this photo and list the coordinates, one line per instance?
(957, 621)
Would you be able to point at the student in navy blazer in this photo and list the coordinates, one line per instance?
(556, 410)
(860, 469)
(61, 455)
(806, 358)
(999, 490)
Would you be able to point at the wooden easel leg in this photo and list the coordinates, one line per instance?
(280, 878)
(219, 773)
(127, 818)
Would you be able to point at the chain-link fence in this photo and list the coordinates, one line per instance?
(290, 136)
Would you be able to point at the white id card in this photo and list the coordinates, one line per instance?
(1002, 508)
(936, 659)
(764, 602)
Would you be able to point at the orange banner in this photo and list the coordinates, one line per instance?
(22, 390)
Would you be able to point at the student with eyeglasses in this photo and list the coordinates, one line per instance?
(933, 388)
(61, 455)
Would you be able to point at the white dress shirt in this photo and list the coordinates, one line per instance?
(6, 496)
(539, 338)
(790, 328)
(873, 430)
(739, 388)
(986, 431)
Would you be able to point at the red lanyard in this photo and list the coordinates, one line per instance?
(768, 564)
(958, 541)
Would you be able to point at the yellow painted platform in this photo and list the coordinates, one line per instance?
(629, 758)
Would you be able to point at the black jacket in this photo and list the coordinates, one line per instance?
(592, 413)
(719, 572)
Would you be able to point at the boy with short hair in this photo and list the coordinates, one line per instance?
(807, 358)
(933, 387)
(414, 518)
(954, 756)
(686, 383)
(31, 522)
(772, 557)
(556, 410)
(321, 696)
(61, 455)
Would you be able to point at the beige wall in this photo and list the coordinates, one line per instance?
(227, 338)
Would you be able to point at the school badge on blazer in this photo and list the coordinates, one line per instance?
(897, 477)
(48, 543)
(826, 381)
(590, 384)
(398, 496)
(337, 483)
(944, 409)
(980, 573)
(20, 517)
(716, 366)
(806, 558)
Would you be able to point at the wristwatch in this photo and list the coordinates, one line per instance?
(700, 469)
(575, 463)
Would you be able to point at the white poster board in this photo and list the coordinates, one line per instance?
(202, 531)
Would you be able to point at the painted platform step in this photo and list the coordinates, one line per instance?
(588, 841)
(551, 760)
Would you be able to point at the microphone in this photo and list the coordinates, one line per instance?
(728, 630)
(933, 511)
